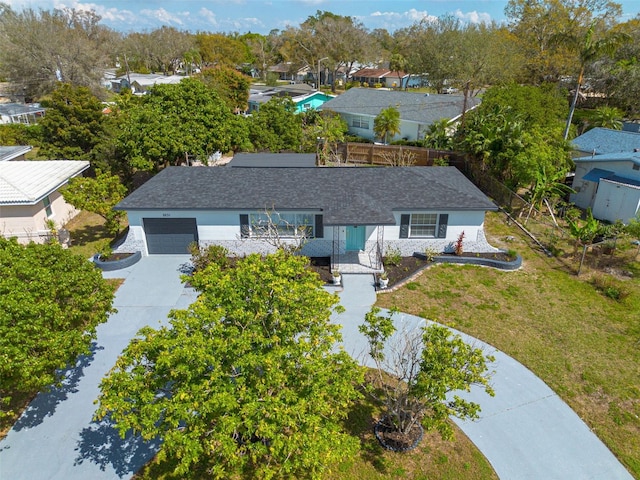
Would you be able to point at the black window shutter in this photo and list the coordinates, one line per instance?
(244, 225)
(404, 225)
(319, 227)
(442, 225)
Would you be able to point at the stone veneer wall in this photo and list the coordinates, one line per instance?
(324, 247)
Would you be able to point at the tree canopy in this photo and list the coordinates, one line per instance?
(172, 122)
(73, 123)
(98, 195)
(431, 364)
(244, 382)
(276, 126)
(50, 304)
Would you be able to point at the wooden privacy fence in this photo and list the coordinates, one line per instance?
(372, 154)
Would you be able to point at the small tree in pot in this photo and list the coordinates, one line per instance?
(415, 373)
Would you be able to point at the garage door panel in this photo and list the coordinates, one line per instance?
(170, 235)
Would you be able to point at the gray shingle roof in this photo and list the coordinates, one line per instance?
(416, 107)
(604, 141)
(273, 160)
(346, 196)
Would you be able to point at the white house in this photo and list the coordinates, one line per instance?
(30, 197)
(608, 184)
(349, 214)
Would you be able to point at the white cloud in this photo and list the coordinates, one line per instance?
(107, 14)
(208, 16)
(164, 17)
(394, 20)
(473, 17)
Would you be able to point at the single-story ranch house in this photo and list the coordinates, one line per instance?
(418, 111)
(30, 197)
(350, 214)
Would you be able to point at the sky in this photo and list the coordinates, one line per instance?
(262, 16)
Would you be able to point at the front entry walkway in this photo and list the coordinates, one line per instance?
(526, 431)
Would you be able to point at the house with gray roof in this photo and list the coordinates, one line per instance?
(350, 214)
(360, 106)
(30, 197)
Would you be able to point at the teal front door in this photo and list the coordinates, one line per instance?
(356, 238)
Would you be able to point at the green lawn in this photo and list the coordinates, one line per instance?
(583, 344)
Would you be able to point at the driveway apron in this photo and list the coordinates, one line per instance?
(526, 431)
(56, 437)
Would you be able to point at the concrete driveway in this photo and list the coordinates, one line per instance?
(526, 431)
(56, 437)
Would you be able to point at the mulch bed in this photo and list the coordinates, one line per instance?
(391, 439)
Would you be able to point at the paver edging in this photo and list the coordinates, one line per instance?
(116, 264)
(483, 262)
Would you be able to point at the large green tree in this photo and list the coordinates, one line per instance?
(276, 126)
(99, 195)
(246, 382)
(173, 122)
(50, 304)
(230, 85)
(73, 124)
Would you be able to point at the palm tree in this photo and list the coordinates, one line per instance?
(546, 188)
(589, 49)
(387, 123)
(398, 64)
(608, 117)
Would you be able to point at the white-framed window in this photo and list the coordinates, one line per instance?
(47, 206)
(285, 224)
(360, 122)
(423, 225)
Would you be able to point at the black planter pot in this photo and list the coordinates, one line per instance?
(382, 426)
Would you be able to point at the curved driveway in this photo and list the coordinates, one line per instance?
(525, 431)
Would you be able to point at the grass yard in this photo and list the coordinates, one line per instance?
(88, 234)
(583, 344)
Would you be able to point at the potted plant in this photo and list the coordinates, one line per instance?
(383, 280)
(337, 278)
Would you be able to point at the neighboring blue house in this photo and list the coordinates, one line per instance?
(302, 95)
(360, 106)
(607, 177)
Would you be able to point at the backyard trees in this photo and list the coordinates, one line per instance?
(516, 131)
(50, 304)
(426, 366)
(98, 195)
(230, 85)
(387, 123)
(276, 126)
(73, 125)
(173, 122)
(246, 382)
(38, 49)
